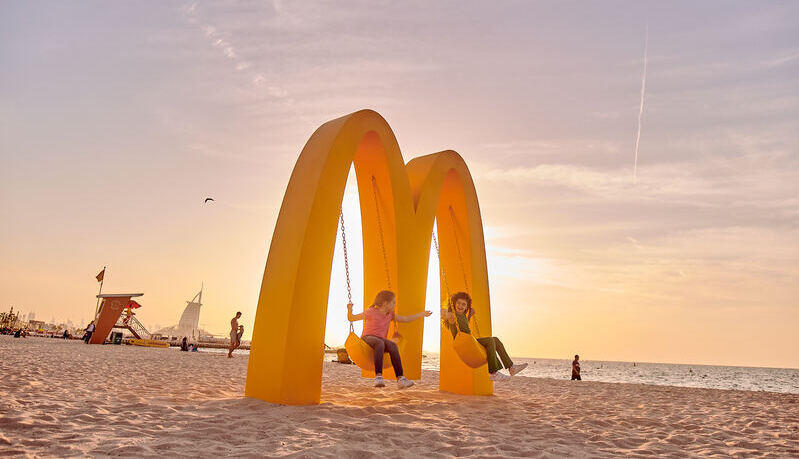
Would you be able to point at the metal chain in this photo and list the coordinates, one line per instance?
(460, 259)
(376, 193)
(346, 258)
(441, 266)
(346, 262)
(378, 201)
(458, 245)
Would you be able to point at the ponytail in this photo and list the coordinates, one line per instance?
(383, 296)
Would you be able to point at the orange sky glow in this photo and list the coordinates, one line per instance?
(116, 123)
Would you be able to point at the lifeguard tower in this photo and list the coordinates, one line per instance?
(110, 316)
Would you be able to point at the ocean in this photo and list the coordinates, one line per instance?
(784, 380)
(663, 374)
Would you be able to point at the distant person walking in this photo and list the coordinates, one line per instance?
(576, 368)
(89, 332)
(235, 338)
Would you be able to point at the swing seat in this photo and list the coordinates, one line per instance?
(362, 353)
(469, 350)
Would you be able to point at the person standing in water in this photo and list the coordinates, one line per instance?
(234, 335)
(576, 368)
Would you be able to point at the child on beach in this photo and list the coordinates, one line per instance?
(457, 316)
(376, 319)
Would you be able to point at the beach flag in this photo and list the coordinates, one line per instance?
(100, 276)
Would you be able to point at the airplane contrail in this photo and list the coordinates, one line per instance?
(641, 109)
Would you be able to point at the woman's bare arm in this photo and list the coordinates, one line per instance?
(353, 317)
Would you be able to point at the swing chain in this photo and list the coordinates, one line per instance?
(458, 246)
(346, 258)
(460, 258)
(378, 201)
(441, 266)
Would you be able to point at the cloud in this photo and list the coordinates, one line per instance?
(784, 59)
(635, 242)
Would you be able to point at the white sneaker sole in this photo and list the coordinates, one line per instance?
(404, 383)
(514, 373)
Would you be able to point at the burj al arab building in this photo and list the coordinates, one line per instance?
(189, 325)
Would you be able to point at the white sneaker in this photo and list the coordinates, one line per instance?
(516, 369)
(379, 381)
(404, 383)
(497, 377)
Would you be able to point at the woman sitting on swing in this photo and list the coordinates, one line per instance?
(376, 319)
(459, 320)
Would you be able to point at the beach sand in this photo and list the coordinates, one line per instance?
(62, 398)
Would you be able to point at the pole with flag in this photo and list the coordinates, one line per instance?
(100, 277)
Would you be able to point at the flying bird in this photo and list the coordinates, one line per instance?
(208, 199)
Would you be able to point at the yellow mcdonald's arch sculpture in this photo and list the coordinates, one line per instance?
(286, 356)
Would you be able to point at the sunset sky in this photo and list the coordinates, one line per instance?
(117, 120)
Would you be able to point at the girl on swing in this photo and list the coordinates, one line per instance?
(376, 319)
(459, 318)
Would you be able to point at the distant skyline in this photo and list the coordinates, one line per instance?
(117, 120)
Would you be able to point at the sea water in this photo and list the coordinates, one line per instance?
(664, 374)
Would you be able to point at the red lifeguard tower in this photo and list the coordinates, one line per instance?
(109, 316)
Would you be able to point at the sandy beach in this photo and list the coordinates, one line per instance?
(68, 399)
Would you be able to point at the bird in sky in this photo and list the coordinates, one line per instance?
(208, 199)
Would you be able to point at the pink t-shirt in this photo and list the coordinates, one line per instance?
(375, 323)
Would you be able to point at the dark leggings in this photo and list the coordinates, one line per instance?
(381, 345)
(493, 347)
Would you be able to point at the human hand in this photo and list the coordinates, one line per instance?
(349, 306)
(428, 313)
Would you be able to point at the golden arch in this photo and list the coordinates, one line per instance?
(285, 364)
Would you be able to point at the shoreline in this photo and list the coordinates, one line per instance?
(531, 371)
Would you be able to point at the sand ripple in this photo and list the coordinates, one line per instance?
(67, 399)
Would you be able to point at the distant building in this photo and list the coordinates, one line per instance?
(189, 325)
